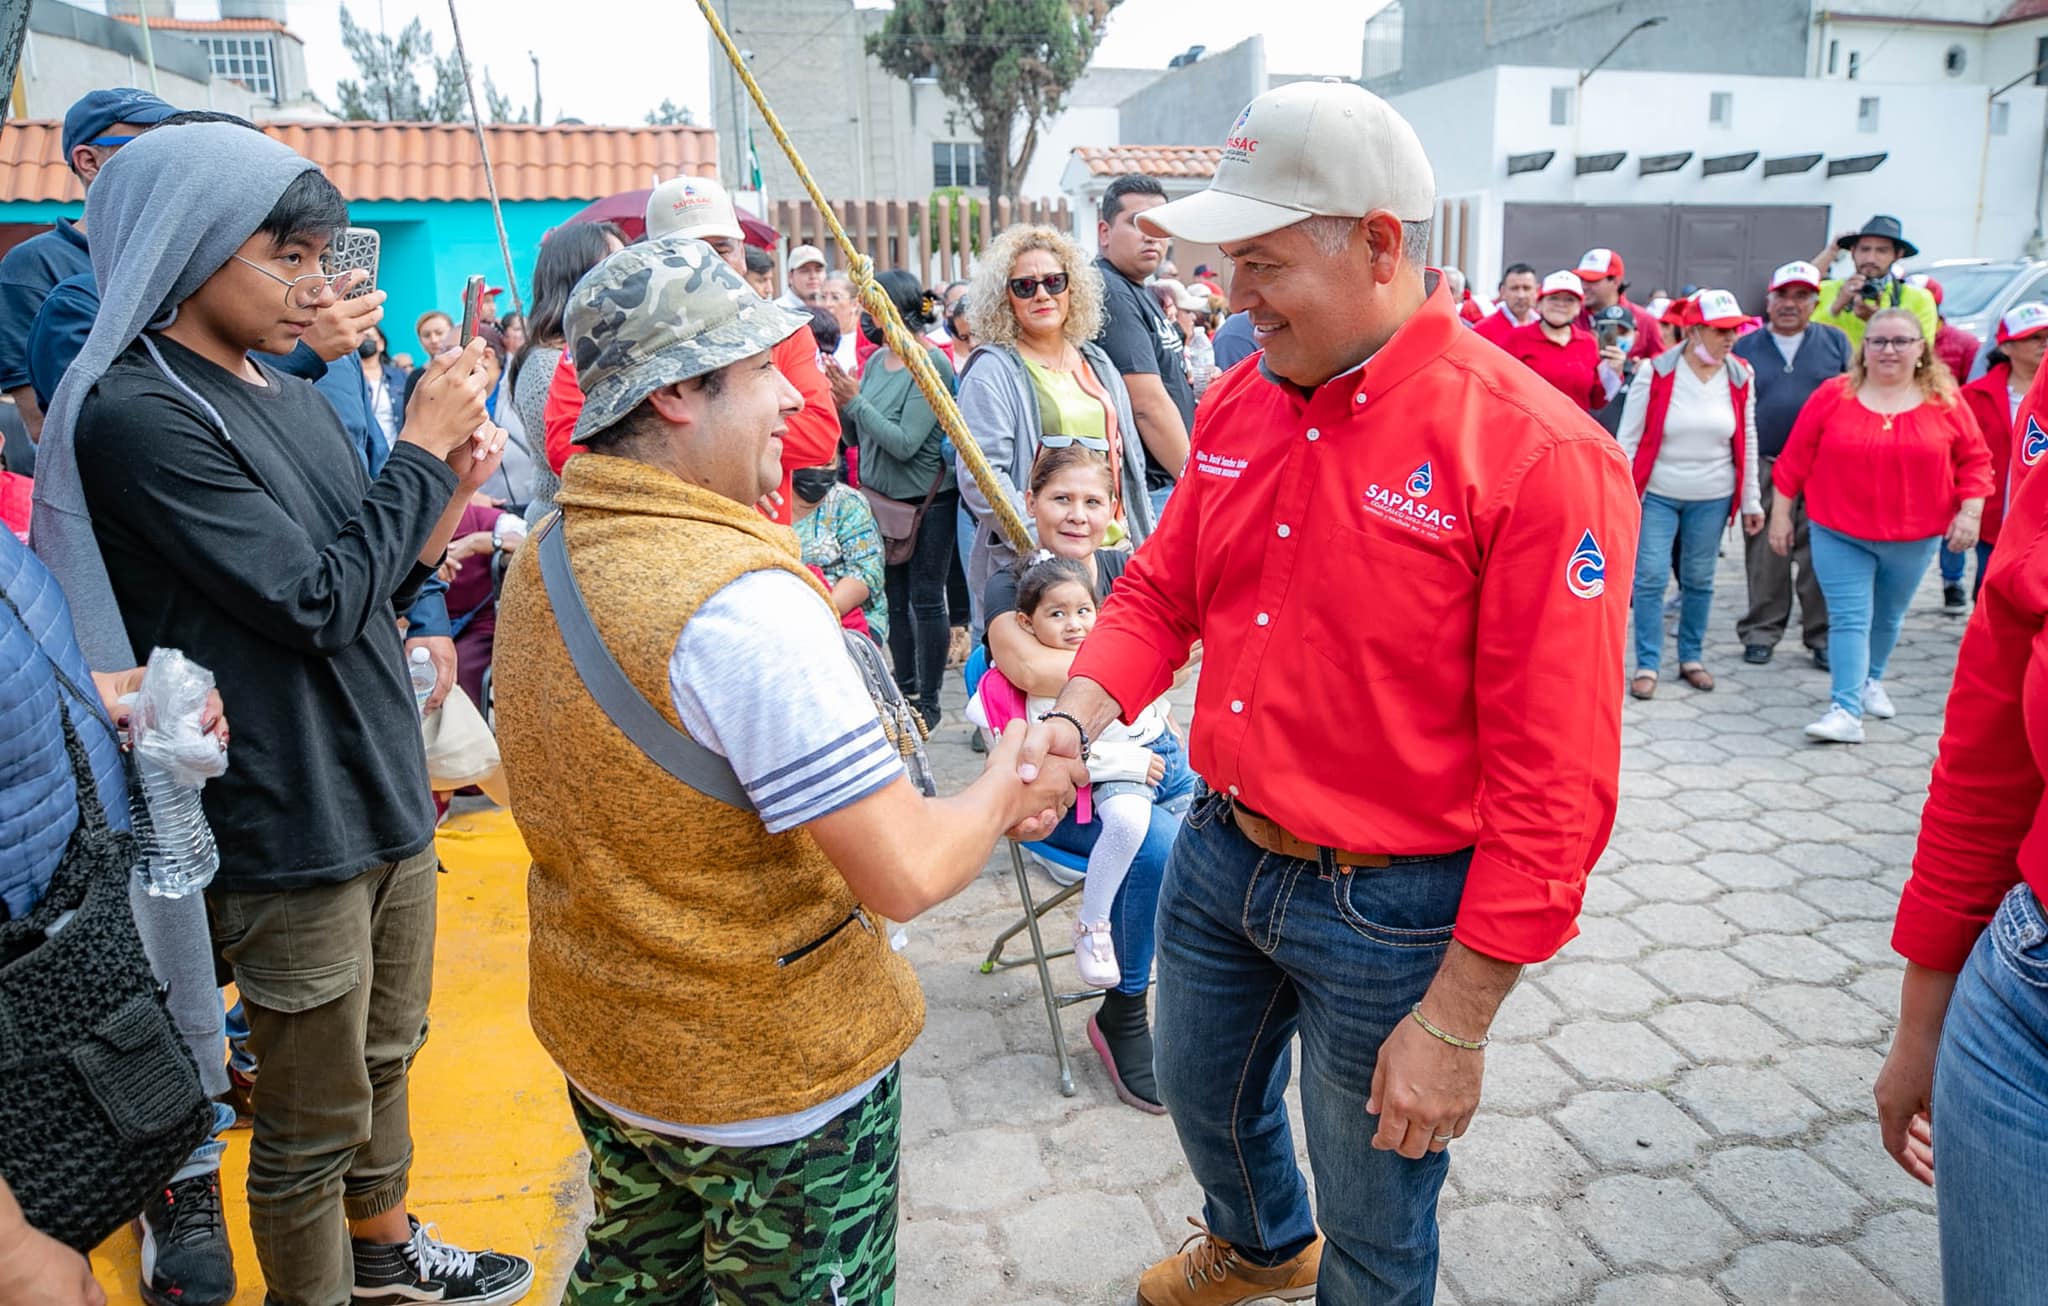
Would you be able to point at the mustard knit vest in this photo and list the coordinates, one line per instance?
(658, 914)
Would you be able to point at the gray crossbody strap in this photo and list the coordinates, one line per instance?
(639, 720)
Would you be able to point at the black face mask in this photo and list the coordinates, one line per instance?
(872, 330)
(367, 349)
(812, 483)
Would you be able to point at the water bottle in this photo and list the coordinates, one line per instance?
(421, 669)
(1201, 360)
(182, 854)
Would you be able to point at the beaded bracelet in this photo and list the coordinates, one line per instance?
(1452, 1039)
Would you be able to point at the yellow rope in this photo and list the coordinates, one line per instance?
(908, 347)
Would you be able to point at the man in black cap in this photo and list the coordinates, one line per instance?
(94, 128)
(1849, 302)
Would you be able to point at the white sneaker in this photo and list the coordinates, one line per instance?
(1095, 955)
(1876, 702)
(1839, 726)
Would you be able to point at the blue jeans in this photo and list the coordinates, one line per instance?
(1953, 565)
(1254, 949)
(1159, 498)
(1134, 915)
(1991, 1113)
(1869, 585)
(1695, 525)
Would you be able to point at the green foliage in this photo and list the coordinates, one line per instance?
(1008, 63)
(957, 195)
(390, 70)
(671, 114)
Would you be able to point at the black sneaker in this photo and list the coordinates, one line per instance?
(1820, 656)
(427, 1269)
(186, 1260)
(1954, 602)
(1756, 654)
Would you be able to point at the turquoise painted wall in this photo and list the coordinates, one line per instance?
(429, 249)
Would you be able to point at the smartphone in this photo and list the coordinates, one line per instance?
(472, 309)
(1608, 332)
(356, 247)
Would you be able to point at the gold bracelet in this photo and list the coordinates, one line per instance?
(1452, 1039)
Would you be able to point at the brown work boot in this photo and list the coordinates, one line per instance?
(1207, 1271)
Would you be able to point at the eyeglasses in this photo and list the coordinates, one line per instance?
(1027, 287)
(1095, 442)
(299, 292)
(1884, 344)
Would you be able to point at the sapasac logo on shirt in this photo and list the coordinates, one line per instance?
(2033, 442)
(1585, 572)
(1409, 508)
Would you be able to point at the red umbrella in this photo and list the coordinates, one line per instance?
(628, 211)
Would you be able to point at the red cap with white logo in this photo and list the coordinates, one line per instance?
(2021, 321)
(1796, 274)
(1563, 283)
(1600, 264)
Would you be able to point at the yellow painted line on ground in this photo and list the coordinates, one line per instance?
(498, 1160)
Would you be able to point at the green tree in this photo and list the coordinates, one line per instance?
(390, 71)
(671, 114)
(1008, 63)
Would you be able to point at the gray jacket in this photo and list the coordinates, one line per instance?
(1000, 406)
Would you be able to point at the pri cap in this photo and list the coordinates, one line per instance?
(1716, 308)
(1796, 274)
(1600, 264)
(1563, 283)
(2024, 320)
(805, 255)
(657, 313)
(1327, 148)
(98, 110)
(697, 207)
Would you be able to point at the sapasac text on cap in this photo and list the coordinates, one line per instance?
(1327, 148)
(697, 207)
(1563, 283)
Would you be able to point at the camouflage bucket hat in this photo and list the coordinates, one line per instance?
(657, 313)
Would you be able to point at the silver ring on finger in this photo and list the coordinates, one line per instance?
(1443, 1138)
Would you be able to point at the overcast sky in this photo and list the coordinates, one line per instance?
(612, 60)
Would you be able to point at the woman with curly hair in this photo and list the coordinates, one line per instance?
(1891, 464)
(1035, 380)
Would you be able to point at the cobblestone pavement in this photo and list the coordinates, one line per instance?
(1677, 1108)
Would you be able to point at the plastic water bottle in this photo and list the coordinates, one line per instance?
(182, 854)
(1201, 360)
(421, 669)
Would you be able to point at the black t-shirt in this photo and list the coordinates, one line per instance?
(269, 557)
(1000, 594)
(1139, 338)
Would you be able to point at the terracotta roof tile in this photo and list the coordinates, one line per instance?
(1194, 161)
(422, 161)
(207, 24)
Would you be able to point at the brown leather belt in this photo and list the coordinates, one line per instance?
(1275, 838)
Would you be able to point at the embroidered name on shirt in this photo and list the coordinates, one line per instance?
(1216, 464)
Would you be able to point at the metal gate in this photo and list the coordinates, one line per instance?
(1668, 246)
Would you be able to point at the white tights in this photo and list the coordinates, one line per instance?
(1125, 819)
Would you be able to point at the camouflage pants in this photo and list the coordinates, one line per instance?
(807, 1223)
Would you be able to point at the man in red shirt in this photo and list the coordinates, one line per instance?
(1519, 287)
(698, 207)
(1602, 271)
(1407, 559)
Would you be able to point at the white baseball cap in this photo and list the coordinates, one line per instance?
(805, 255)
(1796, 274)
(1563, 283)
(1327, 148)
(697, 207)
(1716, 308)
(2022, 321)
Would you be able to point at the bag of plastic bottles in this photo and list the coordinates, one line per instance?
(175, 756)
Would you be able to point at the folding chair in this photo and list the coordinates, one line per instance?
(977, 666)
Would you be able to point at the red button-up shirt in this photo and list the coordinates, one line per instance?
(1573, 367)
(1985, 825)
(1411, 588)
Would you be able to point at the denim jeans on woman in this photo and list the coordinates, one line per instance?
(1254, 949)
(920, 625)
(1991, 1114)
(1695, 525)
(1868, 584)
(1134, 915)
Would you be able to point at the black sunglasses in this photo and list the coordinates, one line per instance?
(1027, 287)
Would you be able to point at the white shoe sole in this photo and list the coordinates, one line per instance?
(1828, 737)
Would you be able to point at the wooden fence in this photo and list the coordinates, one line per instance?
(939, 238)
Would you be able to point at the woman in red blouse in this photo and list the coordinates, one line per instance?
(1891, 464)
(1563, 353)
(1967, 1079)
